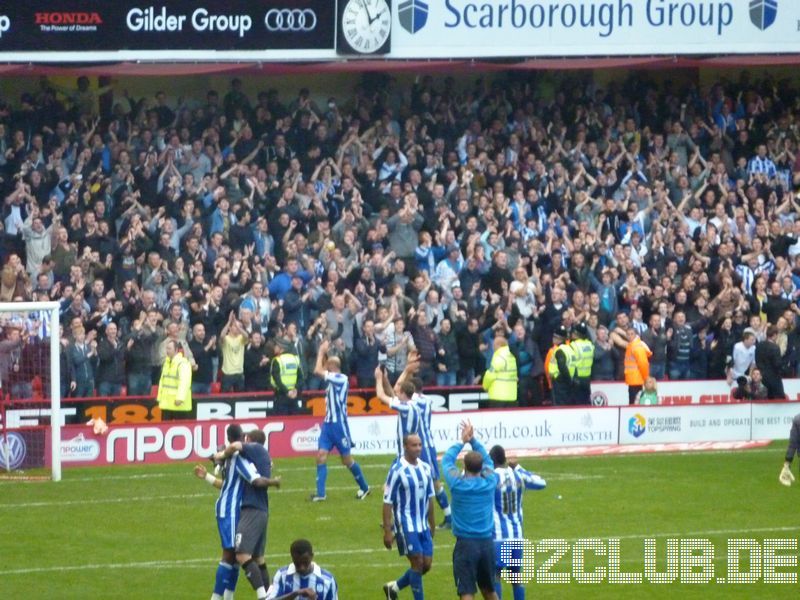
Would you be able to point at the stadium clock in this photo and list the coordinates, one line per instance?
(365, 27)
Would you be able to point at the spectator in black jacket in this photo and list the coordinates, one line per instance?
(721, 349)
(699, 356)
(768, 360)
(139, 350)
(427, 346)
(604, 366)
(447, 363)
(203, 350)
(256, 364)
(111, 365)
(470, 358)
(656, 339)
(365, 355)
(82, 359)
(498, 273)
(680, 342)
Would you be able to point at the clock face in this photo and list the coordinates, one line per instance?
(366, 25)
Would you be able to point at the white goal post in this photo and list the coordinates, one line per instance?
(37, 321)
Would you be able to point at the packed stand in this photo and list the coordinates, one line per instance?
(429, 218)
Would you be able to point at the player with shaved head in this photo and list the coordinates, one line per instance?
(335, 431)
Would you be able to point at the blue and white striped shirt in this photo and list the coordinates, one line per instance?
(425, 406)
(288, 580)
(409, 420)
(336, 398)
(508, 500)
(409, 489)
(762, 165)
(237, 470)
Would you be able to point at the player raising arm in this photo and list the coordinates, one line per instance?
(335, 431)
(409, 417)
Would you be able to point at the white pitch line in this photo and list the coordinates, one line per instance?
(278, 471)
(698, 453)
(161, 564)
(307, 490)
(101, 501)
(171, 564)
(68, 479)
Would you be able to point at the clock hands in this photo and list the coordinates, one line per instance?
(366, 8)
(376, 17)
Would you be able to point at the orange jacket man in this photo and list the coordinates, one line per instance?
(637, 364)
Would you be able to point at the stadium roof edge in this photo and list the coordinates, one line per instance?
(281, 68)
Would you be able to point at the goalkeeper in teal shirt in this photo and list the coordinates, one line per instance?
(472, 504)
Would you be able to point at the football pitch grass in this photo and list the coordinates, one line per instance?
(149, 532)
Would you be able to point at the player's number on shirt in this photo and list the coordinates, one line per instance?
(509, 502)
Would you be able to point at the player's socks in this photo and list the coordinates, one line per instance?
(223, 573)
(519, 592)
(253, 574)
(264, 574)
(230, 586)
(358, 475)
(415, 583)
(444, 504)
(322, 477)
(405, 580)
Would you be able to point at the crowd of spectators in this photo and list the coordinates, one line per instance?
(431, 217)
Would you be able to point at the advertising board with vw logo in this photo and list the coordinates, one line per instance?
(12, 451)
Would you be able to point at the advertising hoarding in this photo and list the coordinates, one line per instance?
(276, 30)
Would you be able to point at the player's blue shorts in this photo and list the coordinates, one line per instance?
(227, 530)
(333, 435)
(512, 557)
(429, 456)
(410, 542)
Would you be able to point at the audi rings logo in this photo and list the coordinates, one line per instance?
(290, 19)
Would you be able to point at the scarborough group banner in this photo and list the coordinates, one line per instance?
(497, 28)
(377, 435)
(285, 30)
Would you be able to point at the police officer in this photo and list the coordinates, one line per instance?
(583, 350)
(562, 369)
(500, 379)
(175, 384)
(284, 369)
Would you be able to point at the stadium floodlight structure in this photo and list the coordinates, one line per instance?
(33, 377)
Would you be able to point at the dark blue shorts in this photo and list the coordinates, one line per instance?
(473, 565)
(410, 543)
(333, 435)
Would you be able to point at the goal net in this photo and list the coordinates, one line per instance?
(30, 390)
